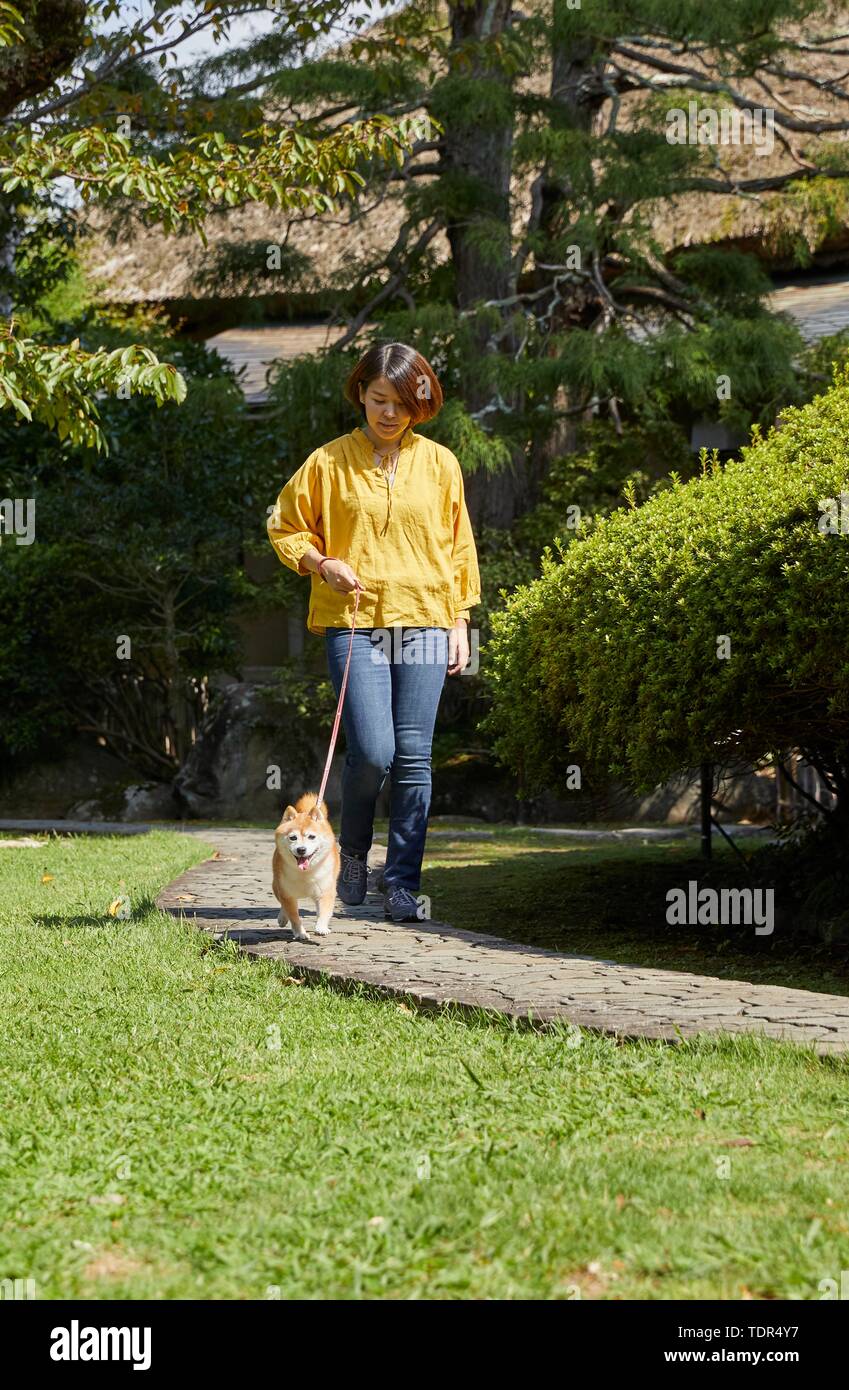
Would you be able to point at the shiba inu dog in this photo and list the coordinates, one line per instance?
(305, 864)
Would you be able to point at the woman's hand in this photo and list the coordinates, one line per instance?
(341, 578)
(458, 647)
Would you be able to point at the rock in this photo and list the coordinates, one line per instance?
(248, 737)
(150, 801)
(55, 786)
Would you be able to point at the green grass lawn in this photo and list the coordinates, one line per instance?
(177, 1121)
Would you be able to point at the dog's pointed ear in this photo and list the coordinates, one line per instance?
(316, 813)
(289, 814)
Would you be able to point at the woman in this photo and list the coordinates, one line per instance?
(382, 510)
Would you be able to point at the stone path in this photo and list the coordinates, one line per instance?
(431, 963)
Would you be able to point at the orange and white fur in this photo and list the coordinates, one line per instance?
(305, 864)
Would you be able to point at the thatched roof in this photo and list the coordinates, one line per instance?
(150, 266)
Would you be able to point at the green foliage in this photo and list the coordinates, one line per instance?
(11, 21)
(612, 656)
(43, 239)
(302, 705)
(306, 404)
(799, 220)
(281, 168)
(818, 360)
(593, 480)
(158, 161)
(143, 541)
(808, 866)
(56, 386)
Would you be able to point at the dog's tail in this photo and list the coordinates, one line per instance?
(311, 799)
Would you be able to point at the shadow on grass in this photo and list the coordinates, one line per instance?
(610, 902)
(142, 906)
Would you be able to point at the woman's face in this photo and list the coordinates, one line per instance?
(387, 416)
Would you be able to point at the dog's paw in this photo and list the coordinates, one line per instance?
(300, 935)
(322, 931)
(282, 919)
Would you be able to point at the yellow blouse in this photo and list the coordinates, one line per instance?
(410, 544)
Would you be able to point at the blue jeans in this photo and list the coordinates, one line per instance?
(389, 716)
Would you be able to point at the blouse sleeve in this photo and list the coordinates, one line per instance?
(294, 523)
(467, 580)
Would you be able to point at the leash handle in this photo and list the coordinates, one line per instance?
(340, 701)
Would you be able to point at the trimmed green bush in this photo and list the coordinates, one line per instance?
(613, 657)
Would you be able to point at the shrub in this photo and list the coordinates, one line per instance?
(611, 657)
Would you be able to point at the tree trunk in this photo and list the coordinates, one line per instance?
(576, 98)
(478, 165)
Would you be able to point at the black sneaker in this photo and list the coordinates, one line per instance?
(353, 879)
(400, 904)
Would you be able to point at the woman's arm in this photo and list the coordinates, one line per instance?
(310, 560)
(296, 530)
(337, 574)
(467, 580)
(295, 525)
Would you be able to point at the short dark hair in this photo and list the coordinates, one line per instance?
(407, 370)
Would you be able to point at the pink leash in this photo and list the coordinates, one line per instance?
(341, 700)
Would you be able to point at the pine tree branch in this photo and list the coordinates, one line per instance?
(687, 77)
(396, 280)
(767, 184)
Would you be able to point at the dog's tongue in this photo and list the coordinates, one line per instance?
(304, 863)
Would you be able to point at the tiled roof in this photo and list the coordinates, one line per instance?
(819, 307)
(254, 349)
